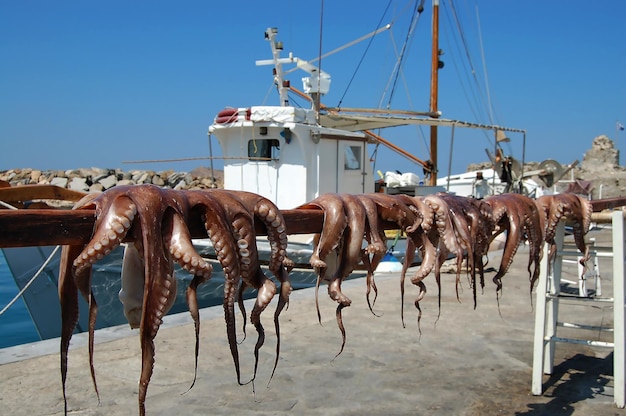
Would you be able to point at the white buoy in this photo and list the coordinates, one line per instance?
(389, 264)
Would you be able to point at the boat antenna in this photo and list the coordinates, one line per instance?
(317, 96)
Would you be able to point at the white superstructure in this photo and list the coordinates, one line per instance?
(284, 155)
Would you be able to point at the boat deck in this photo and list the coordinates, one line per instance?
(467, 362)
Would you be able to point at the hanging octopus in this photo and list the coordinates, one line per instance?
(519, 217)
(341, 238)
(242, 208)
(452, 237)
(398, 209)
(157, 218)
(572, 208)
(425, 237)
(474, 225)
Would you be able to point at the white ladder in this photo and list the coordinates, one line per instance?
(547, 311)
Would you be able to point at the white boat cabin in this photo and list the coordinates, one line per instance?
(284, 155)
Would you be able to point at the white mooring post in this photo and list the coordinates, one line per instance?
(540, 324)
(619, 369)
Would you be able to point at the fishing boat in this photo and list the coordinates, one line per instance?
(287, 153)
(292, 154)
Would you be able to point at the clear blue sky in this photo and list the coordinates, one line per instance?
(97, 83)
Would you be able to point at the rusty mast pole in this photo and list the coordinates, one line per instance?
(434, 84)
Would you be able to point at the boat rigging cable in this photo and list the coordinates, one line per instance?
(398, 71)
(482, 54)
(417, 12)
(474, 101)
(487, 105)
(35, 276)
(362, 57)
(31, 281)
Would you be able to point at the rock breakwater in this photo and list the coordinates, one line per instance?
(99, 179)
(600, 173)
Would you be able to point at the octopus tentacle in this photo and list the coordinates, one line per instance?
(424, 237)
(522, 220)
(159, 275)
(176, 236)
(329, 240)
(507, 216)
(466, 236)
(242, 222)
(335, 222)
(253, 276)
(351, 255)
(399, 209)
(373, 205)
(370, 283)
(473, 226)
(409, 256)
(279, 263)
(116, 210)
(484, 225)
(376, 247)
(572, 208)
(218, 227)
(110, 229)
(68, 297)
(444, 223)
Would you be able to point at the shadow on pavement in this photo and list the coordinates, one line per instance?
(578, 378)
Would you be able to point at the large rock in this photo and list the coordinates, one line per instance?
(60, 182)
(600, 166)
(108, 181)
(78, 184)
(601, 156)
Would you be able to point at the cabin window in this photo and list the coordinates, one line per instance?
(264, 149)
(352, 157)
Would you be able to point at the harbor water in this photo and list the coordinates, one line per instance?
(16, 326)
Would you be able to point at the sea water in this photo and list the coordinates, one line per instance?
(16, 326)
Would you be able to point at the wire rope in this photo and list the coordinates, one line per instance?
(31, 281)
(369, 43)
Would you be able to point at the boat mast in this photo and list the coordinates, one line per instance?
(434, 81)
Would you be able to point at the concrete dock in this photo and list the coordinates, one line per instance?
(466, 362)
